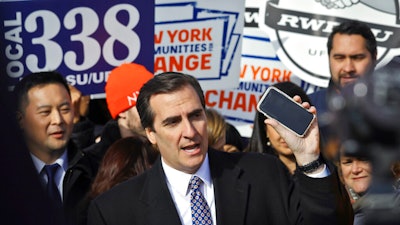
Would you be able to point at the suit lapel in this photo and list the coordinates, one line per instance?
(231, 193)
(160, 206)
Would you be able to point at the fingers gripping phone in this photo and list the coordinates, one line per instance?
(281, 107)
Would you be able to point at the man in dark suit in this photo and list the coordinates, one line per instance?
(45, 116)
(240, 188)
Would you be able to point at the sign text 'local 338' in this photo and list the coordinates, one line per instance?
(83, 40)
(299, 30)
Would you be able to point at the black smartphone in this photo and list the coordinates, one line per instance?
(276, 104)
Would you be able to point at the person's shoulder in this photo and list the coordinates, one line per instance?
(321, 93)
(110, 133)
(253, 167)
(79, 160)
(124, 192)
(255, 158)
(245, 159)
(111, 130)
(319, 100)
(120, 201)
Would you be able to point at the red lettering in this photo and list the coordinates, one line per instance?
(192, 64)
(158, 38)
(263, 76)
(286, 75)
(243, 71)
(195, 35)
(205, 61)
(234, 101)
(183, 36)
(252, 103)
(207, 34)
(172, 35)
(201, 35)
(207, 98)
(227, 100)
(267, 74)
(275, 75)
(240, 102)
(187, 35)
(160, 64)
(181, 62)
(255, 71)
(175, 65)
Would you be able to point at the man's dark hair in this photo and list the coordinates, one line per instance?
(33, 80)
(354, 27)
(163, 83)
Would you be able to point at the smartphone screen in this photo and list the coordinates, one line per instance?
(276, 104)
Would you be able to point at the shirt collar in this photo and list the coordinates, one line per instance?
(179, 180)
(39, 164)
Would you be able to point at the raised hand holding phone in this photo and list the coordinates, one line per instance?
(305, 145)
(276, 104)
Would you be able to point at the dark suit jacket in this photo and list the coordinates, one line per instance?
(76, 184)
(249, 188)
(109, 135)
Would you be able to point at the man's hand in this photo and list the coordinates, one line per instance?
(306, 149)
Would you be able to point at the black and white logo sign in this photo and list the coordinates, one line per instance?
(299, 29)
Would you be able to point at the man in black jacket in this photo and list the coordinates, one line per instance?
(45, 116)
(240, 188)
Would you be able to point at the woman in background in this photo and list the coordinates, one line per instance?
(125, 158)
(216, 129)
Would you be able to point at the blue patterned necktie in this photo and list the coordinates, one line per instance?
(201, 213)
(52, 190)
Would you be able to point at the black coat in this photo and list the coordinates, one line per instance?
(77, 183)
(249, 188)
(83, 133)
(109, 135)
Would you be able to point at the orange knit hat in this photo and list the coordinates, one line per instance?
(123, 85)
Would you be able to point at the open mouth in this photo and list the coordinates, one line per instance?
(191, 148)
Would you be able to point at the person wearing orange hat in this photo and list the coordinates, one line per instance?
(122, 89)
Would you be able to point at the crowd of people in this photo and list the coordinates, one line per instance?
(165, 158)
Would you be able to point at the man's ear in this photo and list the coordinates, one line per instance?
(151, 135)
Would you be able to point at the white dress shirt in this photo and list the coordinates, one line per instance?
(178, 185)
(59, 177)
